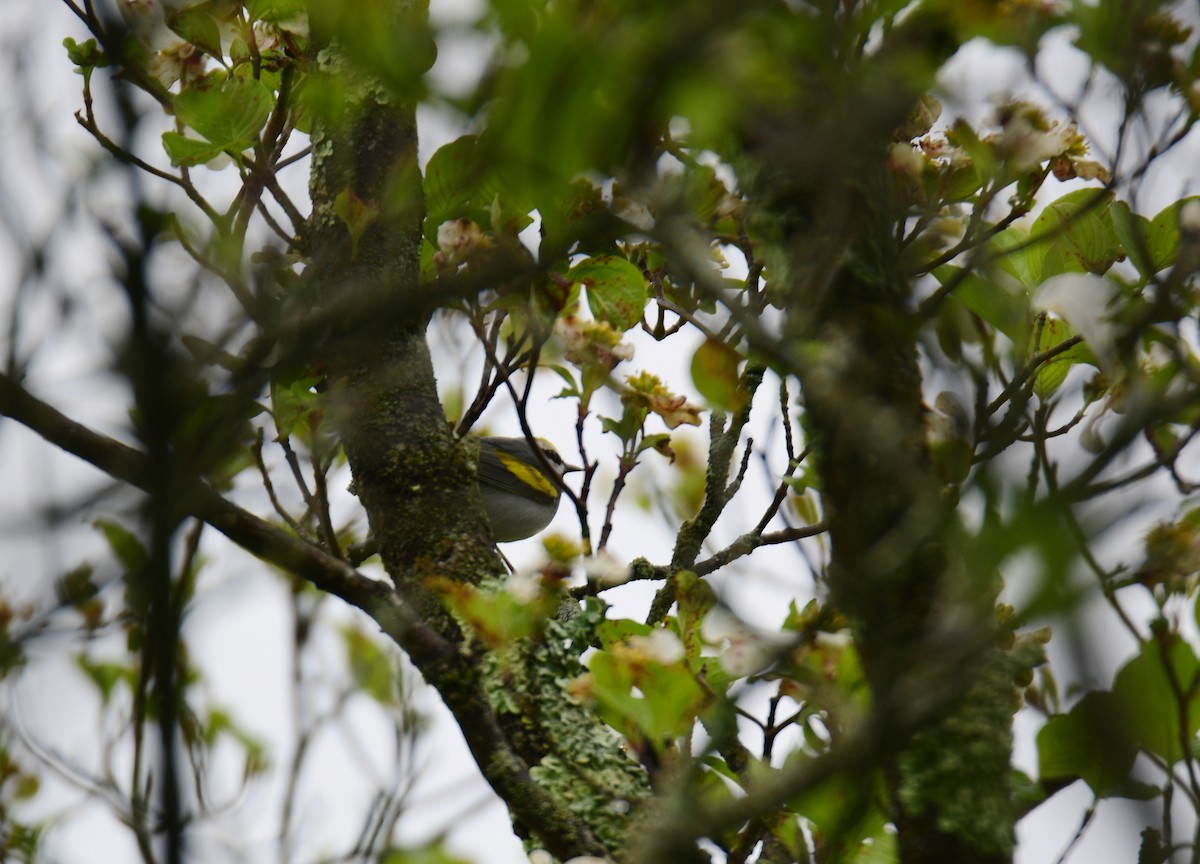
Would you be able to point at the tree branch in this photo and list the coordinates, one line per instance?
(454, 673)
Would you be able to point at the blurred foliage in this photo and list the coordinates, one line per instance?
(700, 178)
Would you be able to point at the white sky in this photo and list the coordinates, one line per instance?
(237, 630)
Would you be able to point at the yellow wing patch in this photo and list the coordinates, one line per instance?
(528, 474)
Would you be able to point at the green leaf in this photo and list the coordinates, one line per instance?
(1026, 793)
(295, 401)
(1091, 743)
(1017, 256)
(221, 723)
(1155, 689)
(1076, 233)
(645, 697)
(1133, 230)
(616, 630)
(571, 107)
(229, 115)
(106, 676)
(715, 374)
(86, 55)
(881, 849)
(356, 214)
(371, 668)
(612, 689)
(982, 153)
(616, 289)
(391, 42)
(1134, 40)
(498, 618)
(844, 806)
(696, 599)
(788, 831)
(189, 152)
(1135, 790)
(26, 786)
(127, 548)
(1162, 238)
(1004, 309)
(76, 587)
(674, 698)
(1052, 373)
(452, 183)
(706, 194)
(461, 184)
(195, 24)
(572, 390)
(1081, 302)
(574, 217)
(660, 442)
(432, 854)
(275, 10)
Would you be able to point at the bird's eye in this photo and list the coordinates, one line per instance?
(553, 456)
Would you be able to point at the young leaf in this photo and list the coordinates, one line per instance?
(229, 115)
(1133, 230)
(275, 10)
(1052, 373)
(1091, 743)
(990, 299)
(188, 152)
(356, 214)
(1076, 233)
(1162, 235)
(1157, 690)
(196, 24)
(715, 374)
(373, 670)
(106, 676)
(127, 548)
(86, 55)
(1017, 256)
(616, 289)
(460, 185)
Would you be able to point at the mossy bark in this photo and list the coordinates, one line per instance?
(417, 486)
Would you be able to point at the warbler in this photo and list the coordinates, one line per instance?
(520, 496)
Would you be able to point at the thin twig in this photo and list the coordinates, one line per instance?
(257, 449)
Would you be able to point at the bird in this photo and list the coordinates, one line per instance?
(520, 489)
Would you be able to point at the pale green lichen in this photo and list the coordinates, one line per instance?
(360, 88)
(586, 766)
(960, 769)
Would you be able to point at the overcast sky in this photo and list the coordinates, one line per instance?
(239, 629)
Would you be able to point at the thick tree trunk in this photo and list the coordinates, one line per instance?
(924, 628)
(562, 773)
